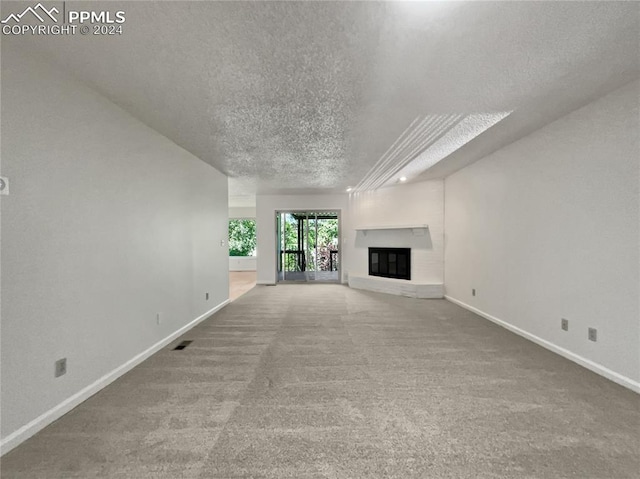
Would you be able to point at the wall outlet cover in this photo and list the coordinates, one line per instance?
(4, 185)
(564, 324)
(593, 334)
(61, 367)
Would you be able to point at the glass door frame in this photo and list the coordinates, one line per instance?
(279, 225)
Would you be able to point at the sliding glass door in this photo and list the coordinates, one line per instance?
(308, 246)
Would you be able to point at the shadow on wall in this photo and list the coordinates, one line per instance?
(398, 238)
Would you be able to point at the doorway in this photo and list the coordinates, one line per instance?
(308, 246)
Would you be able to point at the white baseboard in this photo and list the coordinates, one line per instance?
(39, 423)
(576, 358)
(266, 283)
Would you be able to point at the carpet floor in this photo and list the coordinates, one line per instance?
(323, 381)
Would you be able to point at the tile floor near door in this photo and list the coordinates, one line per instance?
(323, 381)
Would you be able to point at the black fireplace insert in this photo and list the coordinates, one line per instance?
(390, 262)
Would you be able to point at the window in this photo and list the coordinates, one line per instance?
(242, 237)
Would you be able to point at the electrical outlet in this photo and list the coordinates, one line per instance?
(473, 292)
(593, 334)
(564, 324)
(4, 185)
(206, 296)
(61, 367)
(158, 318)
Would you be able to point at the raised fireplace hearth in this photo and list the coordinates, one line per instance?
(390, 263)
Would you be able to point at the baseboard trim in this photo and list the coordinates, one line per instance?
(25, 432)
(266, 283)
(576, 358)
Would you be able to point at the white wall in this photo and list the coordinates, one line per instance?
(242, 212)
(242, 263)
(266, 207)
(548, 228)
(410, 204)
(108, 223)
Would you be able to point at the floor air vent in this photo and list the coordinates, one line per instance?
(182, 345)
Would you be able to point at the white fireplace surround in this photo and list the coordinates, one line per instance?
(399, 287)
(417, 236)
(416, 230)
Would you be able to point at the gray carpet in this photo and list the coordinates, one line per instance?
(321, 381)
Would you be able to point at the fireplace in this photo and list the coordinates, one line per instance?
(390, 262)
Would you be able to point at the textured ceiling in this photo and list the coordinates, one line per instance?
(299, 97)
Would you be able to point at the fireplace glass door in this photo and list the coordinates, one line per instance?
(390, 262)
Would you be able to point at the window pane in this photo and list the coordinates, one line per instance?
(242, 237)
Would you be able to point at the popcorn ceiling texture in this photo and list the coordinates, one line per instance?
(449, 141)
(291, 97)
(421, 134)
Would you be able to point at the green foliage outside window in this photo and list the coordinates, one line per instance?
(242, 237)
(327, 241)
(327, 233)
